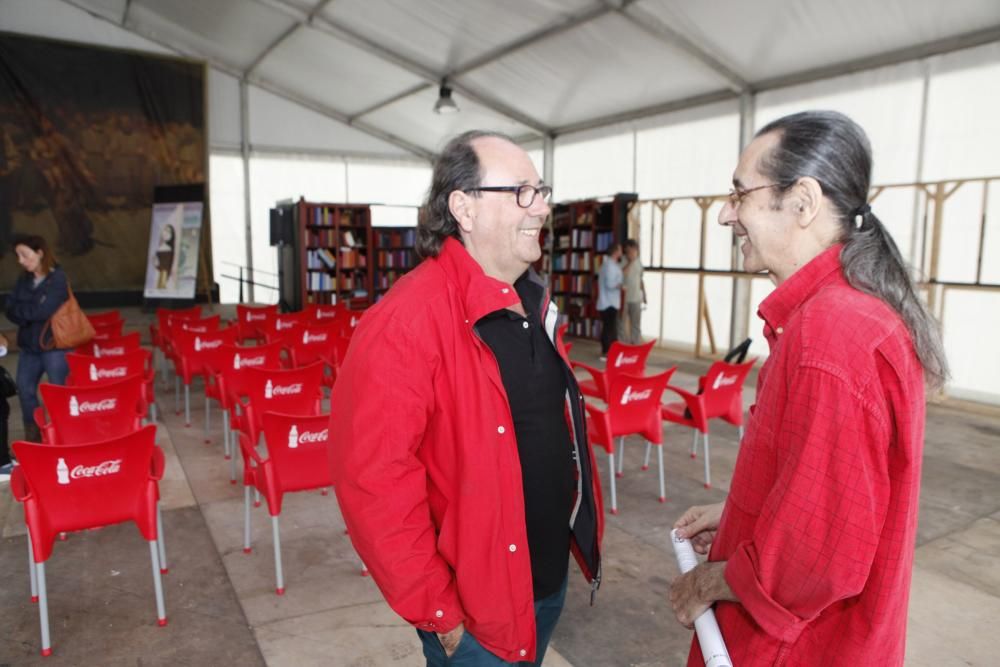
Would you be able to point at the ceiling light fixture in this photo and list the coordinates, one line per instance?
(445, 103)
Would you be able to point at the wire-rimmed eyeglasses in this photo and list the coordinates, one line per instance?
(736, 195)
(525, 193)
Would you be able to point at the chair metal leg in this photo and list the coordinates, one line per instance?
(663, 487)
(645, 460)
(708, 474)
(187, 405)
(177, 394)
(246, 520)
(621, 456)
(739, 435)
(232, 463)
(208, 418)
(31, 570)
(152, 411)
(226, 450)
(614, 494)
(256, 498)
(161, 613)
(43, 609)
(694, 444)
(161, 541)
(279, 577)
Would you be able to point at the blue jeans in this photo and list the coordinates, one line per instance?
(30, 366)
(470, 652)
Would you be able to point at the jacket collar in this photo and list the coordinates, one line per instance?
(480, 293)
(786, 299)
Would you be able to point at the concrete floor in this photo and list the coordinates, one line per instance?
(221, 602)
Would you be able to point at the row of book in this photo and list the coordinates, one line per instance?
(396, 259)
(574, 261)
(327, 217)
(321, 258)
(403, 238)
(585, 327)
(329, 237)
(385, 279)
(580, 283)
(604, 241)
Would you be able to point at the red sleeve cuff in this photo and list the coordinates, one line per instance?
(775, 620)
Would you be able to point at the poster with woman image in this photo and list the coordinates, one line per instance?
(172, 260)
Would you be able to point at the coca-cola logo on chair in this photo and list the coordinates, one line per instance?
(77, 408)
(64, 474)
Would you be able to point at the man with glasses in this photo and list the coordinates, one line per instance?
(461, 462)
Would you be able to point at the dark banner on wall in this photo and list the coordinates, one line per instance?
(85, 135)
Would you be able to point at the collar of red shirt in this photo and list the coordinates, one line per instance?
(480, 293)
(782, 303)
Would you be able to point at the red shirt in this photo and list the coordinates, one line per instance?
(821, 519)
(426, 467)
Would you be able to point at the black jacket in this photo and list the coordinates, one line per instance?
(29, 307)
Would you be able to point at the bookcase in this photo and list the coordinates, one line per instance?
(394, 255)
(334, 242)
(582, 231)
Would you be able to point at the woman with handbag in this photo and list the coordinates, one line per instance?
(37, 295)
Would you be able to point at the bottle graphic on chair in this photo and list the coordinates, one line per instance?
(293, 437)
(236, 362)
(62, 471)
(197, 344)
(74, 407)
(268, 390)
(93, 373)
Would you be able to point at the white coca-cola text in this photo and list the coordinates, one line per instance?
(313, 436)
(320, 314)
(111, 372)
(283, 324)
(251, 361)
(722, 380)
(630, 395)
(101, 469)
(286, 389)
(113, 351)
(211, 344)
(103, 405)
(313, 338)
(256, 316)
(622, 360)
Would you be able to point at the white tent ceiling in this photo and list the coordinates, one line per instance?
(537, 68)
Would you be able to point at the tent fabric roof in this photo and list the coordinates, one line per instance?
(537, 68)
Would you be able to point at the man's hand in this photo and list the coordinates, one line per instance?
(692, 593)
(450, 640)
(699, 525)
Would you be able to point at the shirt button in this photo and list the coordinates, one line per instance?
(512, 548)
(439, 613)
(523, 653)
(501, 430)
(525, 325)
(504, 290)
(780, 330)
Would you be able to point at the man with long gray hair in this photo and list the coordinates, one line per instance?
(812, 552)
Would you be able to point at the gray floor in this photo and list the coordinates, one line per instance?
(222, 607)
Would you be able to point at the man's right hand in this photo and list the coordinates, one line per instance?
(699, 525)
(449, 640)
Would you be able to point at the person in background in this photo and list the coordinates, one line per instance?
(635, 292)
(466, 499)
(812, 552)
(609, 297)
(37, 295)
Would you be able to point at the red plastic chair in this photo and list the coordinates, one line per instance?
(561, 345)
(160, 332)
(90, 413)
(334, 358)
(347, 321)
(722, 398)
(297, 460)
(229, 382)
(251, 321)
(622, 359)
(87, 370)
(108, 330)
(75, 487)
(282, 325)
(633, 408)
(312, 343)
(108, 317)
(114, 347)
(192, 349)
(323, 313)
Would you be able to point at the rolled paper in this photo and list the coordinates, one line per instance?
(713, 647)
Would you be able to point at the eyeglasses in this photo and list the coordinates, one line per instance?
(736, 195)
(525, 193)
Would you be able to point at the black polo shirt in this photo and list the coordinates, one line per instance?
(534, 377)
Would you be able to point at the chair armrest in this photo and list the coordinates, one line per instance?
(249, 451)
(693, 402)
(19, 485)
(594, 412)
(159, 463)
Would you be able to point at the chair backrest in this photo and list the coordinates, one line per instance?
(107, 330)
(113, 347)
(282, 325)
(87, 369)
(109, 317)
(323, 313)
(721, 386)
(252, 320)
(298, 447)
(231, 376)
(94, 412)
(77, 486)
(199, 325)
(312, 343)
(164, 317)
(634, 404)
(347, 321)
(629, 359)
(296, 391)
(195, 348)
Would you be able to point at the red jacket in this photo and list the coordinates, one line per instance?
(425, 463)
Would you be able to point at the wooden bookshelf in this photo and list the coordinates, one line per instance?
(582, 231)
(394, 255)
(335, 242)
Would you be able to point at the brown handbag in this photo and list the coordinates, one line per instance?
(70, 326)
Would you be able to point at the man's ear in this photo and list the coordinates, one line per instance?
(463, 208)
(807, 199)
